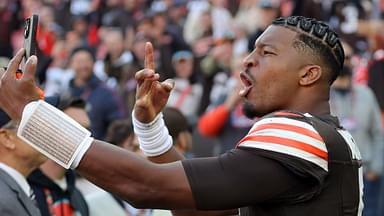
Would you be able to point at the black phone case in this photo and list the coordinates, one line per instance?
(30, 29)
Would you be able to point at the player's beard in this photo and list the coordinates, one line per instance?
(250, 111)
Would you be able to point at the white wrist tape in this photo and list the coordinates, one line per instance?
(54, 134)
(153, 137)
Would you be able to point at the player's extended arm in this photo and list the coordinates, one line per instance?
(137, 180)
(140, 182)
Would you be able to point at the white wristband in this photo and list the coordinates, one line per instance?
(82, 150)
(153, 137)
(54, 134)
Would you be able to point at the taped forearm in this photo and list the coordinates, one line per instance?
(54, 134)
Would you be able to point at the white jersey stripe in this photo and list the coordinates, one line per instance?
(287, 150)
(351, 143)
(292, 136)
(287, 121)
(357, 156)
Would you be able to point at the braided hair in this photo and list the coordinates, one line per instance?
(323, 42)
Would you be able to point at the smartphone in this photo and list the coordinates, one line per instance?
(30, 29)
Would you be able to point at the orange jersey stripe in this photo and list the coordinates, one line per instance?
(284, 114)
(288, 127)
(287, 142)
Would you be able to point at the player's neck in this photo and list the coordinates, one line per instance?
(316, 104)
(321, 108)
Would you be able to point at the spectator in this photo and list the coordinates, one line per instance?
(115, 65)
(139, 43)
(176, 18)
(268, 10)
(179, 129)
(248, 10)
(308, 8)
(376, 80)
(165, 42)
(224, 118)
(200, 38)
(58, 75)
(121, 133)
(221, 18)
(198, 23)
(103, 105)
(345, 17)
(17, 160)
(10, 21)
(81, 27)
(115, 15)
(359, 113)
(53, 185)
(48, 30)
(216, 69)
(186, 95)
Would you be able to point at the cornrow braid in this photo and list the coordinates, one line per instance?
(318, 36)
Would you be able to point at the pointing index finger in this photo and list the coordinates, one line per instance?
(149, 61)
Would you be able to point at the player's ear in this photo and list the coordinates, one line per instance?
(309, 74)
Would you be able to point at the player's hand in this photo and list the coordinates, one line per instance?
(151, 95)
(15, 92)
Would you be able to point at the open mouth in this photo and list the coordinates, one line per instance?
(247, 82)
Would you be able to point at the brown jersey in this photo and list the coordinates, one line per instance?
(288, 164)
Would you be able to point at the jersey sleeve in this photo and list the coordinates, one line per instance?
(281, 136)
(242, 177)
(283, 158)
